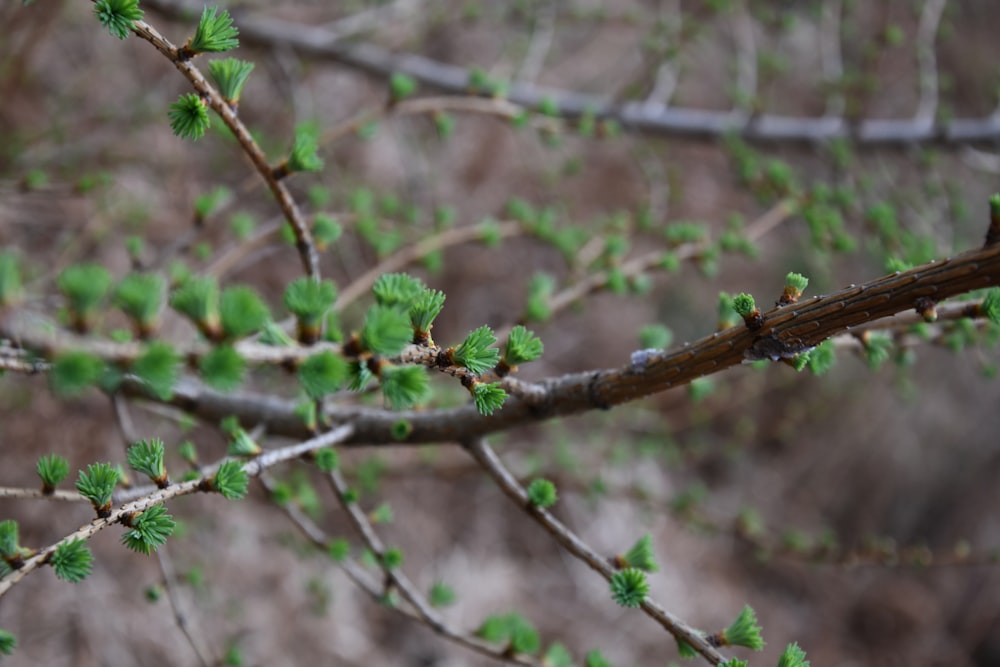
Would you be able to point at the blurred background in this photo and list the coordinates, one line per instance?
(856, 512)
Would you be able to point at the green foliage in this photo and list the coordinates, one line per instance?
(397, 289)
(215, 32)
(230, 480)
(392, 558)
(744, 631)
(488, 397)
(118, 15)
(140, 296)
(522, 346)
(425, 308)
(97, 484)
(230, 76)
(304, 155)
(595, 659)
(401, 86)
(820, 359)
(198, 300)
(793, 656)
(149, 529)
(11, 285)
(84, 285)
(475, 352)
(52, 469)
(222, 368)
(734, 662)
(9, 545)
(990, 307)
(158, 366)
(557, 655)
(540, 290)
(685, 232)
(641, 556)
(657, 336)
(542, 493)
(441, 595)
(382, 514)
(700, 388)
(796, 281)
(444, 123)
(404, 386)
(401, 429)
(327, 459)
(146, 456)
(744, 305)
(386, 330)
(338, 550)
(547, 106)
(73, 371)
(878, 348)
(189, 117)
(187, 451)
(242, 312)
(242, 444)
(72, 561)
(208, 203)
(629, 587)
(322, 374)
(309, 300)
(326, 230)
(513, 629)
(8, 642)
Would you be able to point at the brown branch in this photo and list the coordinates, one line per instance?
(303, 237)
(785, 332)
(488, 459)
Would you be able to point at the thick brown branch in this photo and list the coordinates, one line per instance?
(786, 330)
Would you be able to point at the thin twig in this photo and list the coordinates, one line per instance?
(180, 617)
(157, 496)
(64, 496)
(411, 253)
(830, 57)
(930, 19)
(304, 240)
(487, 458)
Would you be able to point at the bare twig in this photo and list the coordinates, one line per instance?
(415, 251)
(930, 19)
(830, 57)
(180, 617)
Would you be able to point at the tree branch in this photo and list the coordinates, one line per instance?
(786, 331)
(636, 115)
(487, 458)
